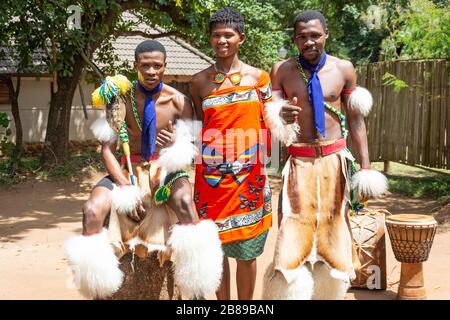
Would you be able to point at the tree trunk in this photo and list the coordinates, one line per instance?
(387, 166)
(17, 153)
(14, 97)
(56, 145)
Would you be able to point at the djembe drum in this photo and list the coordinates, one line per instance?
(370, 244)
(411, 238)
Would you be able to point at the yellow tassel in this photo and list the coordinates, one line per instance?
(97, 102)
(122, 83)
(119, 81)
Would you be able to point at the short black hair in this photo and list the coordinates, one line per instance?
(309, 15)
(229, 17)
(149, 46)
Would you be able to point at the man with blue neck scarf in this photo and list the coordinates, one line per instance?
(315, 101)
(145, 204)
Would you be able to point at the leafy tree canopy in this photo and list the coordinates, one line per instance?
(420, 31)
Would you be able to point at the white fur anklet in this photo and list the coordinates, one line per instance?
(198, 258)
(94, 264)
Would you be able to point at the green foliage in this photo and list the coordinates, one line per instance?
(76, 165)
(431, 187)
(263, 28)
(417, 181)
(422, 31)
(392, 81)
(6, 146)
(4, 120)
(356, 28)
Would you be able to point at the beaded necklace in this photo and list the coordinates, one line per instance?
(133, 104)
(235, 77)
(337, 112)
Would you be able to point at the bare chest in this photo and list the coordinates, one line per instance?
(331, 80)
(165, 108)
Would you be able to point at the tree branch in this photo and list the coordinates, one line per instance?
(144, 34)
(169, 9)
(83, 102)
(92, 64)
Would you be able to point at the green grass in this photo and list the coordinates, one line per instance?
(418, 181)
(30, 167)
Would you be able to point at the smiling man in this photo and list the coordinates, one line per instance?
(231, 187)
(313, 255)
(155, 211)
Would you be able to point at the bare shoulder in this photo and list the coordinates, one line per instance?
(253, 72)
(284, 65)
(176, 96)
(202, 76)
(345, 66)
(279, 71)
(171, 91)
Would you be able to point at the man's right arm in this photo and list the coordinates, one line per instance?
(275, 78)
(112, 165)
(289, 112)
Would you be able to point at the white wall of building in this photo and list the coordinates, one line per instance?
(34, 102)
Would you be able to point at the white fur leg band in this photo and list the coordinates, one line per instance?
(181, 154)
(361, 100)
(198, 258)
(286, 133)
(95, 267)
(125, 198)
(370, 183)
(102, 130)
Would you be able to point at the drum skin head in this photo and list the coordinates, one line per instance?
(414, 219)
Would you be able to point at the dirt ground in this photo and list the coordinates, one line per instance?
(36, 218)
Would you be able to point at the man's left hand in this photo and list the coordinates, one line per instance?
(166, 137)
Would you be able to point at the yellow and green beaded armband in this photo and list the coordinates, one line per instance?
(162, 194)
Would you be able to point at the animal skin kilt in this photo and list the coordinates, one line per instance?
(230, 185)
(313, 254)
(152, 232)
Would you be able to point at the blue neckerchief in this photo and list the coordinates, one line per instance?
(148, 137)
(315, 92)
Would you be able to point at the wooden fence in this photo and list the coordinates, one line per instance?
(410, 125)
